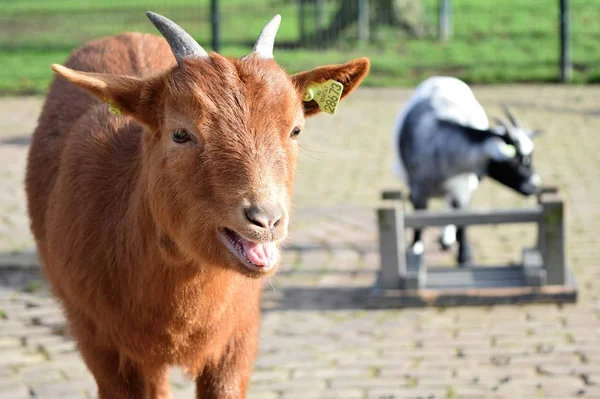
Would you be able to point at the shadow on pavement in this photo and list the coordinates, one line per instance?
(16, 140)
(315, 298)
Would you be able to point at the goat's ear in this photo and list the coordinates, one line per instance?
(122, 93)
(535, 133)
(349, 74)
(498, 150)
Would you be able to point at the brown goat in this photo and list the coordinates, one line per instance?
(154, 226)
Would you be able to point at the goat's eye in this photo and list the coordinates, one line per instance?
(180, 136)
(295, 132)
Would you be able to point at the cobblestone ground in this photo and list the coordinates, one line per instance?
(317, 339)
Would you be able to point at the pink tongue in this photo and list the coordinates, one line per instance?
(260, 254)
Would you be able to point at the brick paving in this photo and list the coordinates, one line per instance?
(318, 340)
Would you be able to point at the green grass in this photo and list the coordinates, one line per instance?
(493, 42)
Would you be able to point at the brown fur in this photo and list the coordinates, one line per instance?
(126, 220)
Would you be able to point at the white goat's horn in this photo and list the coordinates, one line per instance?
(266, 39)
(513, 119)
(506, 126)
(182, 44)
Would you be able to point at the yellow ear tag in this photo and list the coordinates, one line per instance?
(112, 108)
(327, 95)
(509, 150)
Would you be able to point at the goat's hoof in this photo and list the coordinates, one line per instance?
(444, 245)
(417, 248)
(464, 258)
(464, 261)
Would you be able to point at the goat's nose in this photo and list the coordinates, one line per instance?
(264, 215)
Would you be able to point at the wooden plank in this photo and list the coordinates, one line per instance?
(385, 299)
(474, 277)
(425, 218)
(544, 191)
(392, 195)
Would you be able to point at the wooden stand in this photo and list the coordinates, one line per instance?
(404, 280)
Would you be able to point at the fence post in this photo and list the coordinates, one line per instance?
(445, 28)
(566, 66)
(214, 19)
(363, 21)
(302, 21)
(319, 14)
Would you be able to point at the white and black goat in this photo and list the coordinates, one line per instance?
(445, 145)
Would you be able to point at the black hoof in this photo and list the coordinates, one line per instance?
(443, 245)
(464, 260)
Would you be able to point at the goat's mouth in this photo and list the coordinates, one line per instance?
(257, 257)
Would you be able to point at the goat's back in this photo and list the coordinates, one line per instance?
(446, 99)
(130, 54)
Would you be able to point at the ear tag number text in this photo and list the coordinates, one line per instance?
(327, 95)
(508, 150)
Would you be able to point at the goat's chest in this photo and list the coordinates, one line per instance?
(188, 331)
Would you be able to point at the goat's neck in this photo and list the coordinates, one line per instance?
(464, 150)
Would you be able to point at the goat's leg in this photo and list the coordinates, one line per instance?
(459, 191)
(448, 236)
(417, 246)
(116, 378)
(465, 256)
(159, 386)
(228, 378)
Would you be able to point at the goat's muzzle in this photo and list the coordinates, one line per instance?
(254, 239)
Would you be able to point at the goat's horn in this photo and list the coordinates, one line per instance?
(505, 125)
(266, 39)
(181, 43)
(513, 119)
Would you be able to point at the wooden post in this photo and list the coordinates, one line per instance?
(391, 247)
(214, 19)
(552, 241)
(545, 190)
(566, 66)
(363, 21)
(533, 267)
(445, 20)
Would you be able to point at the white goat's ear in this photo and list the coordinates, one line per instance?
(121, 93)
(535, 133)
(499, 151)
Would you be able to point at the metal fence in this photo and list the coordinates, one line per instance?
(560, 33)
(407, 40)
